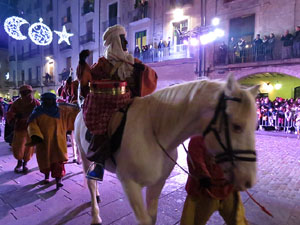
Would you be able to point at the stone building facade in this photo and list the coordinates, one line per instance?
(147, 22)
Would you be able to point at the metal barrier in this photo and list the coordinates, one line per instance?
(278, 123)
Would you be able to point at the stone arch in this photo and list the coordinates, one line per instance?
(295, 72)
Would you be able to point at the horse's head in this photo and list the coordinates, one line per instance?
(230, 135)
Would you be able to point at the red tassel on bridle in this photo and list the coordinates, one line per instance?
(262, 207)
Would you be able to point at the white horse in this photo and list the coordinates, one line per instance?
(156, 124)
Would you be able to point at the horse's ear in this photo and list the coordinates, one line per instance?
(254, 90)
(231, 84)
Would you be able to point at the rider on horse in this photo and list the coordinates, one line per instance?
(107, 87)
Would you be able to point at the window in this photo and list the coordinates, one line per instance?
(68, 63)
(113, 14)
(38, 72)
(242, 27)
(89, 27)
(29, 75)
(69, 14)
(14, 76)
(141, 38)
(178, 28)
(23, 76)
(51, 23)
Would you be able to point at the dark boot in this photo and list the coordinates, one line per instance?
(58, 183)
(97, 173)
(18, 168)
(46, 181)
(25, 168)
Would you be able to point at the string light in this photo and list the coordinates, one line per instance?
(64, 35)
(40, 33)
(12, 27)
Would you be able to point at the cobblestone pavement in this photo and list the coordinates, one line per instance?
(24, 200)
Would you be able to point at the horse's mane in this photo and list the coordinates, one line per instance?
(190, 90)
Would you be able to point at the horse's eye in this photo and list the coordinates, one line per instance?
(237, 128)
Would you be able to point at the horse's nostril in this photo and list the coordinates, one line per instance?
(248, 184)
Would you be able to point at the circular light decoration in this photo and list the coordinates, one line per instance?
(63, 35)
(12, 27)
(40, 33)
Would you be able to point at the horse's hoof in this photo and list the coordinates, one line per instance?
(98, 199)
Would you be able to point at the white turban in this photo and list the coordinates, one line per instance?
(114, 52)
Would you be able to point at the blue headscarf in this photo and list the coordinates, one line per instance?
(52, 111)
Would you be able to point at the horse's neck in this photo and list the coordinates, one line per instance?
(176, 119)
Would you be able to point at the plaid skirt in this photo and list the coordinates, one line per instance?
(99, 108)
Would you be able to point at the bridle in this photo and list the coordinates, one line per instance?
(229, 154)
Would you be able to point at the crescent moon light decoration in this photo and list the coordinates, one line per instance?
(12, 27)
(40, 33)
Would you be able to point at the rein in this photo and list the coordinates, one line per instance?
(229, 154)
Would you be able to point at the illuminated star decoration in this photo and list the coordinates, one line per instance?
(40, 33)
(12, 27)
(63, 35)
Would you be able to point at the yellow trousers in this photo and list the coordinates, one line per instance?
(20, 151)
(198, 210)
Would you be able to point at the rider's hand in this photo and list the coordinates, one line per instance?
(139, 67)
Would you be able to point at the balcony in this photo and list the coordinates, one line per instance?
(12, 58)
(110, 22)
(29, 54)
(87, 7)
(34, 83)
(64, 46)
(48, 81)
(181, 51)
(9, 83)
(65, 20)
(249, 55)
(49, 7)
(139, 13)
(88, 37)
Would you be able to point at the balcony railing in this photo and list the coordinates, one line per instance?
(139, 13)
(110, 22)
(167, 53)
(65, 20)
(248, 54)
(12, 58)
(34, 82)
(87, 7)
(88, 37)
(30, 54)
(64, 46)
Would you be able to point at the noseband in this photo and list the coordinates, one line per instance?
(229, 154)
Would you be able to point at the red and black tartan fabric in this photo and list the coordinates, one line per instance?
(99, 108)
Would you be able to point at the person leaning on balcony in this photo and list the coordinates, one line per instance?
(18, 114)
(208, 191)
(257, 48)
(271, 45)
(296, 43)
(232, 45)
(287, 43)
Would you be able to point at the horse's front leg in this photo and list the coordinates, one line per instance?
(152, 196)
(92, 185)
(135, 197)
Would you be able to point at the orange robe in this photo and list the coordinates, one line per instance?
(20, 111)
(53, 131)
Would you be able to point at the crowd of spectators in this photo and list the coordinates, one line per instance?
(280, 114)
(260, 49)
(150, 53)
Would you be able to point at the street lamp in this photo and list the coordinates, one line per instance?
(201, 36)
